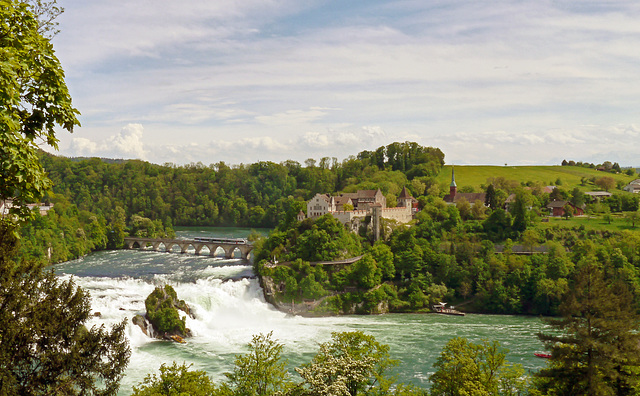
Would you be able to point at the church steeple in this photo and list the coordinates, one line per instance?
(453, 188)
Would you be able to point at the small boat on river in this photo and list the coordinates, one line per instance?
(441, 308)
(542, 355)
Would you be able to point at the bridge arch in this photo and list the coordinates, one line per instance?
(228, 250)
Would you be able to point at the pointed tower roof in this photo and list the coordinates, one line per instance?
(404, 193)
(453, 177)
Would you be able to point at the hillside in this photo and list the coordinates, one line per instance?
(570, 176)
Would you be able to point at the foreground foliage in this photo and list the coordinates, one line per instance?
(45, 347)
(595, 350)
(350, 364)
(465, 368)
(175, 380)
(260, 372)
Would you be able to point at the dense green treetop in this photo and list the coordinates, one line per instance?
(260, 194)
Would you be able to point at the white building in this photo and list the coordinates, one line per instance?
(633, 187)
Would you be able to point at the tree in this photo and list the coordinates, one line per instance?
(594, 345)
(478, 210)
(568, 211)
(44, 346)
(605, 182)
(175, 380)
(523, 200)
(35, 100)
(633, 218)
(464, 207)
(577, 197)
(530, 239)
(365, 273)
(498, 225)
(260, 372)
(351, 363)
(465, 368)
(383, 256)
(490, 197)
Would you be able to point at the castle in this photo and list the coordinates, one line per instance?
(364, 203)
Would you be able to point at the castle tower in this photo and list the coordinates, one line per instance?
(405, 199)
(453, 188)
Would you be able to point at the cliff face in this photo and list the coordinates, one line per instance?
(316, 307)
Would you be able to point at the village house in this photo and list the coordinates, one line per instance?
(633, 187)
(556, 208)
(597, 195)
(42, 208)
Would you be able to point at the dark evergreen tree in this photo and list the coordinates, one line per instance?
(490, 197)
(519, 213)
(44, 346)
(498, 225)
(594, 346)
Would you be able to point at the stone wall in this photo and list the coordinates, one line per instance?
(400, 214)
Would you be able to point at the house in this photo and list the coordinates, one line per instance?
(341, 201)
(633, 187)
(42, 208)
(556, 208)
(597, 195)
(362, 199)
(4, 207)
(320, 205)
(454, 196)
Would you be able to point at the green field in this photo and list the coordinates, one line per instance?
(618, 223)
(570, 176)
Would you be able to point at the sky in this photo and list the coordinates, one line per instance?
(503, 82)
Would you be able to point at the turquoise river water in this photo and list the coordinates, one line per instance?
(229, 308)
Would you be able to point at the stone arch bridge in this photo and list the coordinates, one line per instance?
(170, 245)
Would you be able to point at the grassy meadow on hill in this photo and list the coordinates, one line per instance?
(570, 176)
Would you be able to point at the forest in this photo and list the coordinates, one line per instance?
(96, 202)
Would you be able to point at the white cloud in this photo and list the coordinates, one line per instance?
(293, 117)
(83, 147)
(315, 140)
(285, 78)
(125, 144)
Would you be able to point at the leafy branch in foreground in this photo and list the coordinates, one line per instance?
(34, 100)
